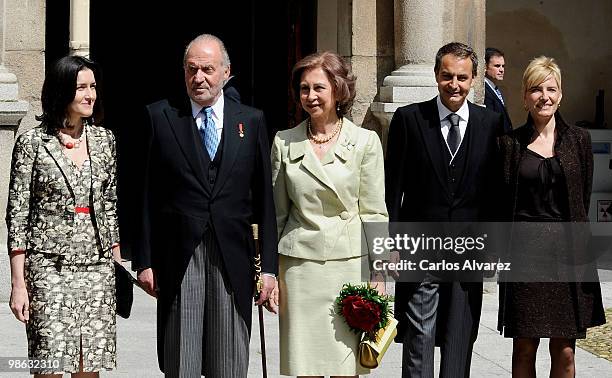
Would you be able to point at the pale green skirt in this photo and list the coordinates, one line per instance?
(313, 339)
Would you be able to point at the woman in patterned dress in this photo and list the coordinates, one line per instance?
(62, 227)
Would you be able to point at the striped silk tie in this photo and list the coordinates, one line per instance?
(208, 132)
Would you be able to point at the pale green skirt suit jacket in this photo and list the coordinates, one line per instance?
(321, 207)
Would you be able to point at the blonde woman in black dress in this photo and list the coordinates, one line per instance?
(548, 168)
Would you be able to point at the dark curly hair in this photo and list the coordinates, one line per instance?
(59, 90)
(338, 73)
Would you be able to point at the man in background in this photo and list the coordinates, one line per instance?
(494, 73)
(230, 89)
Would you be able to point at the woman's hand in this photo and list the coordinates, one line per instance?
(20, 303)
(394, 257)
(378, 282)
(272, 303)
(116, 250)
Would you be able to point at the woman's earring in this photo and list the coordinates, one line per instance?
(337, 107)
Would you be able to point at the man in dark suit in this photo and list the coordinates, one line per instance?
(440, 160)
(494, 73)
(207, 178)
(230, 90)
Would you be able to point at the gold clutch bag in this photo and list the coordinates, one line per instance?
(370, 352)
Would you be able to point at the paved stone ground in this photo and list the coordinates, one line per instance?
(599, 339)
(137, 346)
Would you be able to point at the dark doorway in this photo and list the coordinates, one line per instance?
(141, 53)
(301, 41)
(57, 30)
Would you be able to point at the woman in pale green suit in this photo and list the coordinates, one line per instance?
(328, 179)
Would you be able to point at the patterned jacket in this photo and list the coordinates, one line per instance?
(41, 205)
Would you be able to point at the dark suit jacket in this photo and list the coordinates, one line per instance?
(417, 188)
(492, 102)
(230, 90)
(179, 204)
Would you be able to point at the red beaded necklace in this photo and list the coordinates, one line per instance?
(75, 143)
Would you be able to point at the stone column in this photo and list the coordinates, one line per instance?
(421, 28)
(79, 27)
(470, 28)
(364, 37)
(419, 33)
(12, 110)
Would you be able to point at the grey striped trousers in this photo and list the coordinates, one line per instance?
(420, 339)
(204, 333)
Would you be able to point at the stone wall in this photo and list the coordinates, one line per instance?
(23, 56)
(362, 32)
(575, 33)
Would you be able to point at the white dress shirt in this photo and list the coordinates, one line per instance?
(217, 114)
(445, 125)
(492, 85)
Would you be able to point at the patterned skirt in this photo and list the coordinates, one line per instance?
(72, 308)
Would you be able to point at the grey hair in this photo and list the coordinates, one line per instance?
(208, 38)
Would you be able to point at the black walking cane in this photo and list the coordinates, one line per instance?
(258, 288)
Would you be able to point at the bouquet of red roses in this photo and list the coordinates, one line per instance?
(364, 309)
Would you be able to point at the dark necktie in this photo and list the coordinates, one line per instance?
(454, 135)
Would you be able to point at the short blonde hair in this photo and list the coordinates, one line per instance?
(538, 70)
